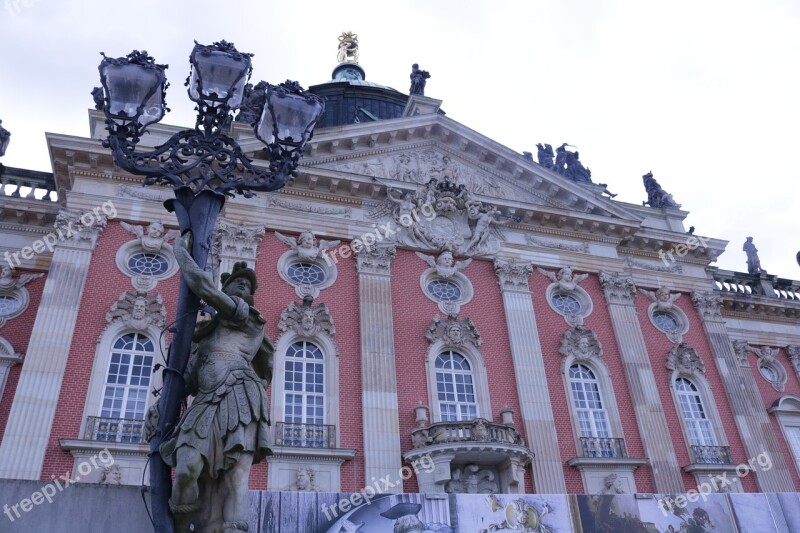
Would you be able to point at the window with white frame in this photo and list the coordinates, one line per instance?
(592, 416)
(126, 387)
(698, 425)
(304, 384)
(455, 387)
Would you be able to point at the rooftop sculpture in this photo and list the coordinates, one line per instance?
(348, 48)
(418, 79)
(656, 196)
(753, 262)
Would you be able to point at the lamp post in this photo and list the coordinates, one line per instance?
(203, 165)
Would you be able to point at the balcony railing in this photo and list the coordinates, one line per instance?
(305, 435)
(603, 447)
(712, 455)
(124, 430)
(478, 430)
(763, 284)
(40, 184)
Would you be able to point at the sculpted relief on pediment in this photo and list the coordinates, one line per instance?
(420, 166)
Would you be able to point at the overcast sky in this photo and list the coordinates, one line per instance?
(703, 93)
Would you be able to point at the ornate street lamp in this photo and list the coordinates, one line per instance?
(203, 165)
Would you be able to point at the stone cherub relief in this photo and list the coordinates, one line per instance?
(446, 266)
(9, 282)
(138, 311)
(155, 238)
(565, 278)
(306, 245)
(663, 299)
(225, 428)
(442, 215)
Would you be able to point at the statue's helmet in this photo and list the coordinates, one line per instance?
(240, 270)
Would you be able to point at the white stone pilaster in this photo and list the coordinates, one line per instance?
(655, 433)
(31, 418)
(534, 397)
(236, 241)
(746, 402)
(382, 454)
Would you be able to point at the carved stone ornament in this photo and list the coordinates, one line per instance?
(617, 287)
(15, 296)
(657, 268)
(276, 201)
(305, 480)
(684, 360)
(112, 475)
(306, 246)
(663, 299)
(375, 259)
(442, 215)
(445, 265)
(138, 311)
(520, 515)
(581, 343)
(145, 193)
(741, 349)
(237, 239)
(83, 228)
(454, 332)
(512, 275)
(565, 279)
(612, 485)
(472, 479)
(768, 361)
(582, 247)
(306, 319)
(9, 282)
(154, 238)
(793, 353)
(708, 304)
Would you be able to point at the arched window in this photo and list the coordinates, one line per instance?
(698, 425)
(592, 417)
(455, 388)
(304, 384)
(126, 387)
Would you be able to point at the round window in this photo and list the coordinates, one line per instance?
(566, 304)
(9, 305)
(665, 321)
(768, 373)
(146, 264)
(306, 273)
(444, 290)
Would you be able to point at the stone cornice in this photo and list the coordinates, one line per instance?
(334, 455)
(592, 463)
(94, 446)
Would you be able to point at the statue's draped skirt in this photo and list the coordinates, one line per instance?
(230, 419)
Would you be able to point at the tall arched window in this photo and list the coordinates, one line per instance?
(455, 388)
(304, 384)
(592, 417)
(126, 387)
(698, 425)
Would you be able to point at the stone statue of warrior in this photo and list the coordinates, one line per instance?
(224, 430)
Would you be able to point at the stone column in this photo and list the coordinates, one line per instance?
(236, 241)
(656, 435)
(741, 389)
(31, 418)
(382, 455)
(534, 397)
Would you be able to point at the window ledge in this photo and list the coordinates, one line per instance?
(338, 455)
(631, 463)
(116, 448)
(709, 468)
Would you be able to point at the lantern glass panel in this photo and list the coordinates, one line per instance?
(295, 118)
(134, 92)
(217, 76)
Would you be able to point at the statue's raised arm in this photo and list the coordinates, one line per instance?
(201, 283)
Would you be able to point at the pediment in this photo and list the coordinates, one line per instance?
(418, 165)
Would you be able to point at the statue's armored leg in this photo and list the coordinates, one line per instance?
(185, 491)
(237, 501)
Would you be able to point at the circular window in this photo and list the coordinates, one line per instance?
(306, 274)
(9, 305)
(768, 373)
(566, 304)
(665, 322)
(444, 290)
(146, 264)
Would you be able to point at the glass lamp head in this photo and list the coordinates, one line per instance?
(219, 74)
(134, 88)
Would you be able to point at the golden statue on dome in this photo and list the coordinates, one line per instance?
(348, 48)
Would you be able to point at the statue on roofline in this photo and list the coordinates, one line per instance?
(656, 196)
(348, 48)
(753, 262)
(418, 79)
(224, 430)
